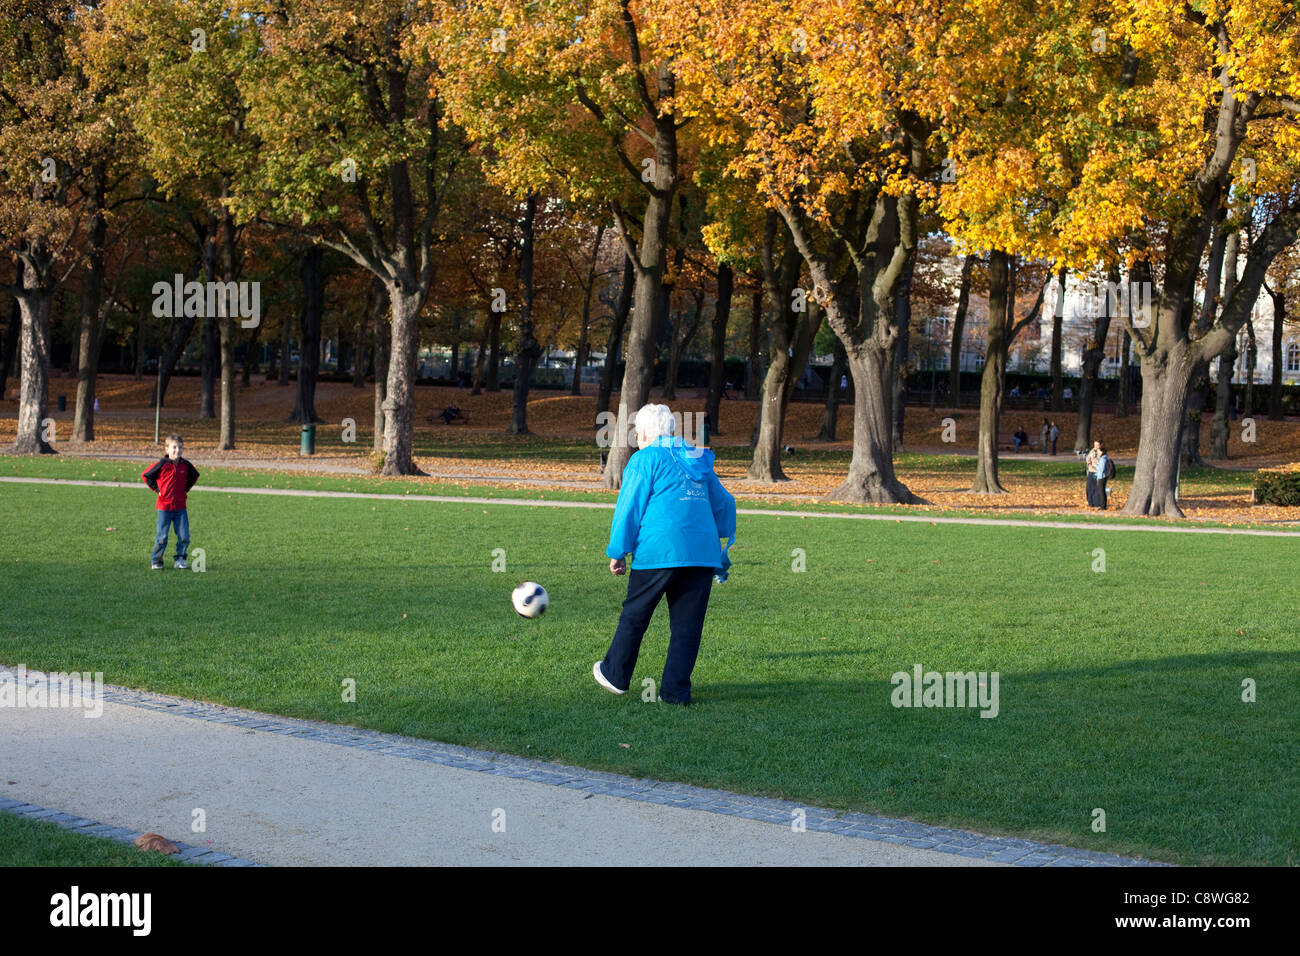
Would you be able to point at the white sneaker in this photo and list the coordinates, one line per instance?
(156, 566)
(180, 565)
(600, 679)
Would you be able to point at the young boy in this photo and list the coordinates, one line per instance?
(171, 478)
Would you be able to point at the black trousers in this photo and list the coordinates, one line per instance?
(688, 599)
(1096, 491)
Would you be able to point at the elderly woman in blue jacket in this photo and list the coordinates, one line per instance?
(672, 515)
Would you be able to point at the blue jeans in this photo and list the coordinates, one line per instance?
(688, 599)
(181, 519)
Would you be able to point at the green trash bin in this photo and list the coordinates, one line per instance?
(308, 439)
(63, 403)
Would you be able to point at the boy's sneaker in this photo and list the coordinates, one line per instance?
(157, 566)
(600, 679)
(179, 565)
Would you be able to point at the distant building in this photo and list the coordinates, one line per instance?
(1031, 352)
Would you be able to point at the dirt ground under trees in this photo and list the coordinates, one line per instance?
(479, 451)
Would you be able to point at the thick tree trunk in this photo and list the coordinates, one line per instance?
(312, 276)
(399, 397)
(831, 418)
(528, 350)
(958, 331)
(88, 318)
(871, 477)
(1164, 399)
(781, 263)
(718, 345)
(614, 345)
(638, 372)
(992, 380)
(637, 376)
(227, 440)
(869, 336)
(991, 385)
(1170, 355)
(766, 463)
(83, 425)
(903, 296)
(379, 350)
(1275, 386)
(34, 306)
(1093, 354)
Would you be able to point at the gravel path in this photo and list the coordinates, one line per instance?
(279, 799)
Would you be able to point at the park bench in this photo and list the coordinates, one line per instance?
(1006, 442)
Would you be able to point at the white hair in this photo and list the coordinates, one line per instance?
(655, 420)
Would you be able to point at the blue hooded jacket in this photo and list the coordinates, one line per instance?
(672, 510)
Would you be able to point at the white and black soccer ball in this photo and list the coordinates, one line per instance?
(530, 599)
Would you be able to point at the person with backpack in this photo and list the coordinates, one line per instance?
(1101, 469)
(1108, 475)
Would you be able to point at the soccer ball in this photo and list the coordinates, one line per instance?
(530, 599)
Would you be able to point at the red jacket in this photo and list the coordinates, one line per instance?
(171, 479)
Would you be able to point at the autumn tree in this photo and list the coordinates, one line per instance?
(111, 194)
(578, 93)
(1132, 147)
(196, 147)
(831, 120)
(355, 156)
(50, 130)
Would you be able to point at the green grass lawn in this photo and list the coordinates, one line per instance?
(1119, 690)
(26, 842)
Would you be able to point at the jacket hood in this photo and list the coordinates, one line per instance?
(695, 462)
